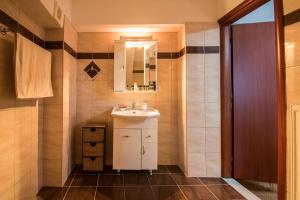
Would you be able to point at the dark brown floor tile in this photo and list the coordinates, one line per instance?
(85, 180)
(52, 193)
(223, 192)
(181, 179)
(81, 171)
(135, 179)
(213, 181)
(161, 169)
(134, 171)
(74, 170)
(81, 193)
(69, 180)
(167, 193)
(138, 193)
(197, 193)
(161, 179)
(174, 169)
(111, 180)
(110, 193)
(107, 169)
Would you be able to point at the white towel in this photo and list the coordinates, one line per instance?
(32, 70)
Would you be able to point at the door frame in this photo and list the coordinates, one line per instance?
(225, 22)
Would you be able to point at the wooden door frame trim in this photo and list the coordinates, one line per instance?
(226, 87)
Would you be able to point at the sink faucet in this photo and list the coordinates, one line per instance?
(133, 106)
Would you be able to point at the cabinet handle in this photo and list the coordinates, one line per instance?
(92, 158)
(126, 136)
(93, 144)
(144, 151)
(149, 136)
(93, 129)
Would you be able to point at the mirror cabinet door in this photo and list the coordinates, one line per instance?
(135, 66)
(119, 66)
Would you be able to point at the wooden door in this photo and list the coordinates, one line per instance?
(127, 149)
(254, 102)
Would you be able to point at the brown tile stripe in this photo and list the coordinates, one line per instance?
(292, 17)
(14, 26)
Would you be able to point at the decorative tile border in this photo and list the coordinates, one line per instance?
(292, 18)
(14, 26)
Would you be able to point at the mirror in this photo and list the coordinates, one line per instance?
(137, 61)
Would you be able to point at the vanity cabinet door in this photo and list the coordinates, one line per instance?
(119, 66)
(149, 149)
(127, 149)
(149, 155)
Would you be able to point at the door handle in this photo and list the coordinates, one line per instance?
(143, 150)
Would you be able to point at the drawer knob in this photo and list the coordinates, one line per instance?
(93, 129)
(92, 158)
(149, 136)
(93, 144)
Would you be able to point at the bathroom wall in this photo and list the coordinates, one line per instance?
(292, 59)
(95, 97)
(21, 122)
(203, 100)
(60, 110)
(181, 85)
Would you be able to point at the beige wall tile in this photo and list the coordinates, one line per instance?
(212, 35)
(195, 66)
(212, 114)
(213, 140)
(85, 42)
(196, 116)
(195, 91)
(196, 140)
(70, 34)
(54, 34)
(52, 173)
(212, 90)
(101, 42)
(212, 71)
(212, 60)
(213, 164)
(293, 84)
(194, 33)
(196, 165)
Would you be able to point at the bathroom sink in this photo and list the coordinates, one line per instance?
(134, 113)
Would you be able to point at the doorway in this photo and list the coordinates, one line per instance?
(253, 98)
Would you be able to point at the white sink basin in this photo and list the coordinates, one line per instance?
(134, 113)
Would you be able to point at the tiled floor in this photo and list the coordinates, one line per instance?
(167, 183)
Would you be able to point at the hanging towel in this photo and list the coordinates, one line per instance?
(32, 70)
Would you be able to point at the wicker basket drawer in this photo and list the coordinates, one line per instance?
(93, 149)
(93, 163)
(93, 134)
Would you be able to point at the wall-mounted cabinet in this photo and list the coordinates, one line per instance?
(135, 65)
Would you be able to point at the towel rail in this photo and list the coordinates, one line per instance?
(4, 29)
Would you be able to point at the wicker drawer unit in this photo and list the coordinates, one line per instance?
(93, 145)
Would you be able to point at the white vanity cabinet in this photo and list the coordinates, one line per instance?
(134, 143)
